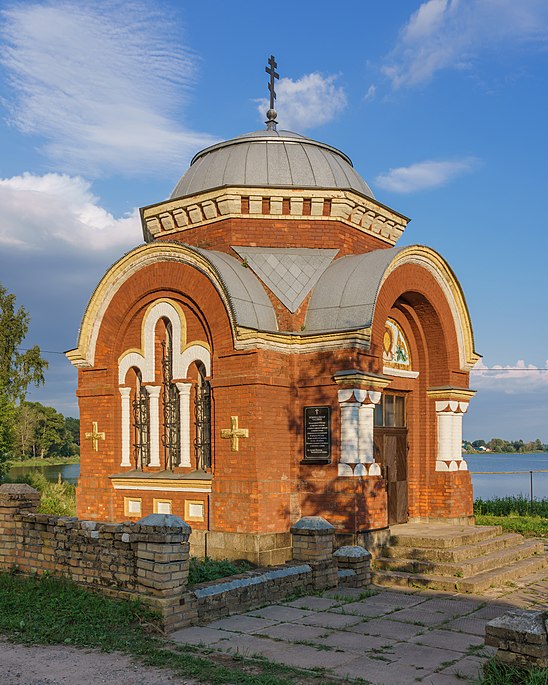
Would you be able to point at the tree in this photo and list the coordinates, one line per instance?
(18, 368)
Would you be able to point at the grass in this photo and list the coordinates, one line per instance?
(204, 570)
(57, 498)
(496, 673)
(46, 610)
(46, 461)
(514, 514)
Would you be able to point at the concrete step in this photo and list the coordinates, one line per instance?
(466, 568)
(429, 537)
(456, 554)
(476, 583)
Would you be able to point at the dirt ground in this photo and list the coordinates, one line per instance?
(56, 665)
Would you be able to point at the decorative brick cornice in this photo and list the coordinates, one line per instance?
(350, 208)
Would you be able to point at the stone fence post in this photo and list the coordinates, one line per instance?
(313, 539)
(354, 566)
(15, 499)
(521, 638)
(162, 564)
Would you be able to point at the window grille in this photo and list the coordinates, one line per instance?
(202, 416)
(171, 438)
(141, 426)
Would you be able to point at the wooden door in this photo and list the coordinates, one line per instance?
(391, 453)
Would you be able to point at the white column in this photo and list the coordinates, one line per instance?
(184, 413)
(126, 426)
(154, 410)
(349, 432)
(445, 435)
(366, 427)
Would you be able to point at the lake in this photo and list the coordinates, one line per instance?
(485, 486)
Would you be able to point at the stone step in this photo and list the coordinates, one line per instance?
(423, 536)
(463, 569)
(475, 583)
(456, 554)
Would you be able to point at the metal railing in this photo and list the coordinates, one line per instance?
(502, 473)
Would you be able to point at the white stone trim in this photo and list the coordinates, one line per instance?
(402, 373)
(185, 418)
(357, 426)
(154, 411)
(449, 415)
(126, 426)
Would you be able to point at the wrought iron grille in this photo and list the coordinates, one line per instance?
(171, 438)
(202, 417)
(141, 425)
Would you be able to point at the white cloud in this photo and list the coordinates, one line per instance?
(371, 93)
(102, 83)
(310, 101)
(444, 34)
(58, 212)
(511, 379)
(424, 175)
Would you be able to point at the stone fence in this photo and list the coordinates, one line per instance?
(149, 560)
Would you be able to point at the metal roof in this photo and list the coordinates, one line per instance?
(251, 305)
(270, 158)
(344, 296)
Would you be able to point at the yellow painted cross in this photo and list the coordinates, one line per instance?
(95, 436)
(234, 433)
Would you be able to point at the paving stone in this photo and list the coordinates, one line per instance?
(446, 639)
(242, 624)
(329, 620)
(421, 617)
(291, 632)
(445, 679)
(421, 657)
(354, 642)
(344, 593)
(395, 600)
(452, 607)
(314, 603)
(384, 627)
(250, 645)
(362, 609)
(303, 656)
(200, 635)
(379, 672)
(467, 624)
(279, 613)
(490, 611)
(468, 667)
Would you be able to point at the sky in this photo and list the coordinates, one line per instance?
(441, 105)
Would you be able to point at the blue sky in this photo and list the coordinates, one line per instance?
(441, 105)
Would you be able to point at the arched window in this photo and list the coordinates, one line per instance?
(171, 436)
(141, 423)
(202, 420)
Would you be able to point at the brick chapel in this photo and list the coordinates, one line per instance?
(270, 353)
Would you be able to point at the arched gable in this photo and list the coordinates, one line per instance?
(241, 292)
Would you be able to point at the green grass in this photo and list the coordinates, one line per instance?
(204, 570)
(496, 673)
(46, 610)
(46, 461)
(514, 515)
(57, 499)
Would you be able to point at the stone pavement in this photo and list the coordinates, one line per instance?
(392, 637)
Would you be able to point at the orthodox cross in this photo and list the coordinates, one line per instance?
(95, 436)
(271, 70)
(234, 433)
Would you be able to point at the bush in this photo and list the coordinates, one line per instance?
(511, 506)
(57, 499)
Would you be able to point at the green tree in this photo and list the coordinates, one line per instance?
(18, 368)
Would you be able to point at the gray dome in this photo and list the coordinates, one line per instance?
(270, 158)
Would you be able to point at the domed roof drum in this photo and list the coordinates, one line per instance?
(270, 158)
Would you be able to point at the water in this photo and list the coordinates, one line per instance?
(498, 485)
(485, 486)
(69, 472)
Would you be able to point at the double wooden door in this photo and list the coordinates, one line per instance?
(391, 454)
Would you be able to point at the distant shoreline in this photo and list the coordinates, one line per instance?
(46, 461)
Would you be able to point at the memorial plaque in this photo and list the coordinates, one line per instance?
(317, 433)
